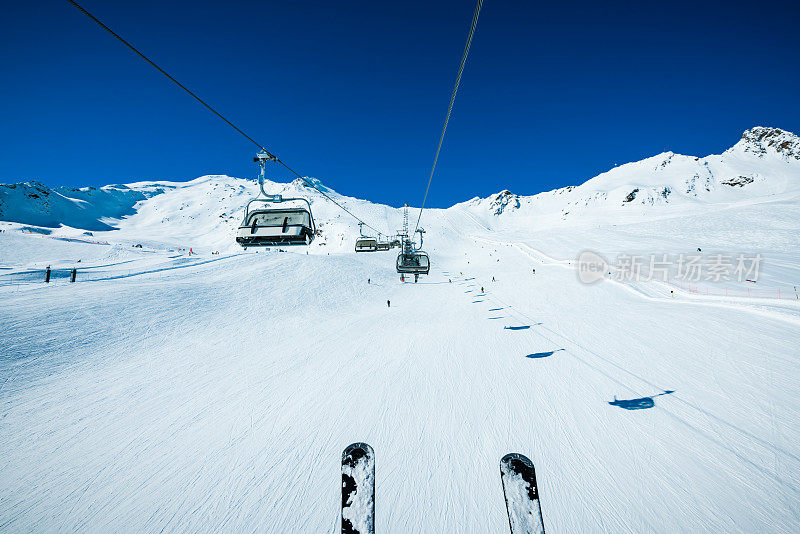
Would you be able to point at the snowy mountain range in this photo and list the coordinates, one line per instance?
(765, 162)
(763, 166)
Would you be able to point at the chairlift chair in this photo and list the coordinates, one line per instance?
(366, 244)
(416, 262)
(271, 225)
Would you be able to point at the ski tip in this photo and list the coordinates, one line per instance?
(518, 457)
(357, 449)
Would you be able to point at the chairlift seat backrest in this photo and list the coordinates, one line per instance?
(366, 244)
(281, 218)
(276, 226)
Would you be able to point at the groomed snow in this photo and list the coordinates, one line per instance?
(215, 393)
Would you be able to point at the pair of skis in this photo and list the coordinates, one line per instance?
(358, 492)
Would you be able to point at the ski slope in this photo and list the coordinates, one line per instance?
(216, 392)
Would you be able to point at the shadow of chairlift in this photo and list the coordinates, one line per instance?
(642, 403)
(537, 355)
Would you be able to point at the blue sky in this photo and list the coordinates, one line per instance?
(354, 93)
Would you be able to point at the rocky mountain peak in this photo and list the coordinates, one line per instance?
(761, 140)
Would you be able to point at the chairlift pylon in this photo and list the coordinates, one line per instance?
(275, 225)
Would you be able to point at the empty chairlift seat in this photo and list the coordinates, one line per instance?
(413, 263)
(366, 244)
(276, 226)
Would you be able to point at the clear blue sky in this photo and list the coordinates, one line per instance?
(354, 93)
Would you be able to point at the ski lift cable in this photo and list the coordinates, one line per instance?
(212, 110)
(313, 185)
(450, 107)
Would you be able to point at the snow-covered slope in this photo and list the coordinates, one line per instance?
(215, 392)
(88, 208)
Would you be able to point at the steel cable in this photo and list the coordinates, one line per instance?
(450, 107)
(215, 112)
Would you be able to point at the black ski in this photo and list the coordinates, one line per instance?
(358, 489)
(522, 494)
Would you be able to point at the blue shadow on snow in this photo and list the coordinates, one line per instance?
(642, 403)
(543, 354)
(521, 327)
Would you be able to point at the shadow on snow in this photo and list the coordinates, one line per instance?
(642, 403)
(521, 327)
(543, 354)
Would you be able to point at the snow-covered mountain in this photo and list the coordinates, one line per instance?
(764, 165)
(88, 208)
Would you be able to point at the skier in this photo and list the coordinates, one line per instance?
(368, 280)
(388, 304)
(493, 279)
(534, 271)
(481, 290)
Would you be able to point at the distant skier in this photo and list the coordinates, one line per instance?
(481, 290)
(368, 280)
(388, 304)
(534, 271)
(493, 279)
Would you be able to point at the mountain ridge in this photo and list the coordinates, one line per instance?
(763, 164)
